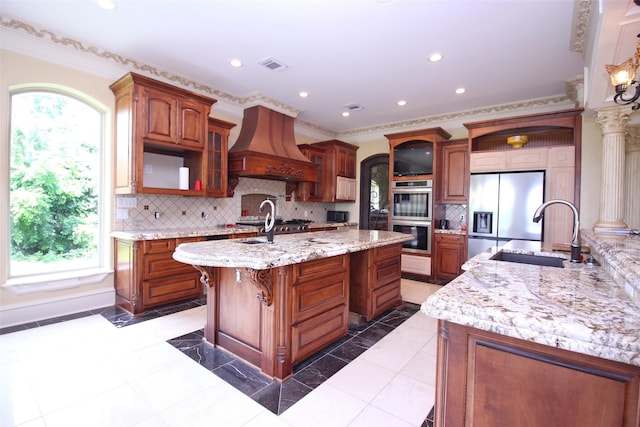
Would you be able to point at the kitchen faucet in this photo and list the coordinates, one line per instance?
(269, 220)
(575, 242)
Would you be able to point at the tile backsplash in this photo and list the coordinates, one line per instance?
(154, 212)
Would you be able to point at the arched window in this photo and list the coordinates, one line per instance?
(55, 211)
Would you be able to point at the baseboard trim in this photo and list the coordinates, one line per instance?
(18, 314)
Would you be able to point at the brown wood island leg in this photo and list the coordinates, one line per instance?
(208, 278)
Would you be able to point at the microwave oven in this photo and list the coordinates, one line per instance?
(337, 216)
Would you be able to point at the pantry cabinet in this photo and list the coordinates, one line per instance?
(159, 128)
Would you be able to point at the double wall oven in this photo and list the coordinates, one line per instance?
(411, 213)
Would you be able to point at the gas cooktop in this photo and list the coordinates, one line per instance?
(280, 227)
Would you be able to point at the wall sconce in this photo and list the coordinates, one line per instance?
(623, 78)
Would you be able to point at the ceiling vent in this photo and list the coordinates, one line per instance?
(272, 64)
(354, 106)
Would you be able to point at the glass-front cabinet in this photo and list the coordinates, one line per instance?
(217, 144)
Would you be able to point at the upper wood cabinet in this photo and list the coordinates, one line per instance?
(337, 171)
(159, 128)
(216, 157)
(452, 185)
(411, 139)
(313, 191)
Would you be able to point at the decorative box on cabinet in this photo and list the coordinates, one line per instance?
(450, 255)
(216, 150)
(338, 171)
(453, 182)
(156, 119)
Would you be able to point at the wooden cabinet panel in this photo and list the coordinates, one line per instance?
(147, 275)
(486, 379)
(562, 157)
(316, 296)
(159, 116)
(487, 162)
(171, 289)
(318, 268)
(454, 181)
(345, 189)
(416, 264)
(450, 255)
(526, 159)
(316, 333)
(375, 280)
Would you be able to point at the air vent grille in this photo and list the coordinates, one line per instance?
(354, 106)
(272, 64)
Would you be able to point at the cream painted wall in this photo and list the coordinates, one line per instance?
(15, 70)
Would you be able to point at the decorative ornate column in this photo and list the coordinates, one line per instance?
(632, 178)
(613, 122)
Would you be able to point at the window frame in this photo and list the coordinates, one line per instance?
(79, 276)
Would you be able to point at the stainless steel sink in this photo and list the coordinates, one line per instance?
(548, 261)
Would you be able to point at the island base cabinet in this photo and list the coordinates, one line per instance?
(277, 317)
(487, 380)
(375, 280)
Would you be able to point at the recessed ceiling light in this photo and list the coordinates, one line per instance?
(435, 57)
(345, 114)
(460, 90)
(303, 94)
(106, 4)
(236, 63)
(402, 102)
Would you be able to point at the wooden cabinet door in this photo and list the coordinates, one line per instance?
(159, 116)
(313, 191)
(216, 152)
(488, 380)
(346, 162)
(455, 173)
(449, 253)
(345, 189)
(192, 123)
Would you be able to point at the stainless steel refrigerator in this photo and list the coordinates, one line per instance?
(501, 208)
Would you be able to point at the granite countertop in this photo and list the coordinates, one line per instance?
(173, 233)
(450, 231)
(287, 248)
(579, 307)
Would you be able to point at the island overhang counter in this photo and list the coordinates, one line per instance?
(552, 346)
(276, 304)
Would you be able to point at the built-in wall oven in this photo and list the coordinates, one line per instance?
(411, 207)
(421, 232)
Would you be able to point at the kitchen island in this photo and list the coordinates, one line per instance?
(535, 345)
(276, 304)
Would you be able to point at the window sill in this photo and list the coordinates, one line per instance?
(55, 282)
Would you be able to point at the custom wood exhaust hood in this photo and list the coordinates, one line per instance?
(266, 148)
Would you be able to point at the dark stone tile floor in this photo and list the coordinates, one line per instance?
(307, 375)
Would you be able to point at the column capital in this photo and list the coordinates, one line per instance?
(613, 119)
(633, 139)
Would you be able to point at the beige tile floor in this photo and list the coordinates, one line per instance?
(86, 372)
